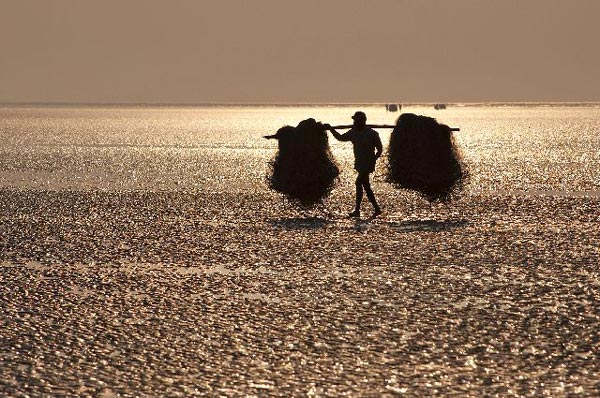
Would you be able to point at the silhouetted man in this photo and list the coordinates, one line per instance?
(367, 149)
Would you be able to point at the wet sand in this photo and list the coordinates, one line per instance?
(188, 294)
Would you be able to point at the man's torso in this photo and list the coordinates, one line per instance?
(364, 143)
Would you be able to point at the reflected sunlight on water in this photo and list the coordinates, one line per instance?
(521, 149)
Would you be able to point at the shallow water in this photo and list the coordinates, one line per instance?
(142, 254)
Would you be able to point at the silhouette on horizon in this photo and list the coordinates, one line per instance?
(367, 149)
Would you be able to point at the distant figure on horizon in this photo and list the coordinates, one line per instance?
(367, 149)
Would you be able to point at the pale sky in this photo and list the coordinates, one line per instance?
(198, 51)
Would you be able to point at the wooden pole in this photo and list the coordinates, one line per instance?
(380, 126)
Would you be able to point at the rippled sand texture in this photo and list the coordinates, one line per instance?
(141, 254)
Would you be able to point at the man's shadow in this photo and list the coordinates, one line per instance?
(410, 225)
(300, 223)
(314, 223)
(426, 225)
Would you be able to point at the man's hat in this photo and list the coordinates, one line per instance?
(358, 115)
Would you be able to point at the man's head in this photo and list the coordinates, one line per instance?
(360, 119)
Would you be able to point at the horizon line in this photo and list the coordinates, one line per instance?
(298, 104)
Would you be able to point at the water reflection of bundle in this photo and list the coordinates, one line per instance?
(303, 168)
(423, 156)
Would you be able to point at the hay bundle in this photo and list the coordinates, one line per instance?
(423, 156)
(303, 169)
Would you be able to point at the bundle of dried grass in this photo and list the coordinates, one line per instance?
(303, 168)
(423, 156)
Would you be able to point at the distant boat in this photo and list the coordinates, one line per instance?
(439, 106)
(392, 107)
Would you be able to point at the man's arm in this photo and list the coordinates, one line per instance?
(338, 136)
(378, 146)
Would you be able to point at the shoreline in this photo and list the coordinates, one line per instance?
(519, 104)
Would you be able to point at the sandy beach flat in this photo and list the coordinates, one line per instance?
(167, 294)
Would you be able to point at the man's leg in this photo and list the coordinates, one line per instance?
(359, 196)
(370, 194)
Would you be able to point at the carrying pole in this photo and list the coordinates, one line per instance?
(380, 126)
